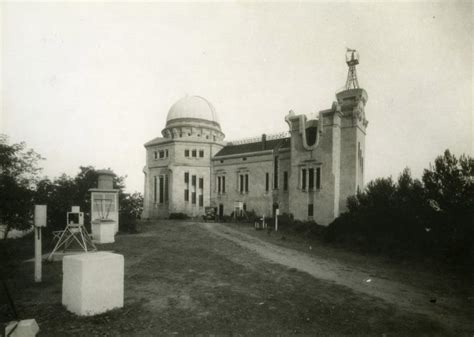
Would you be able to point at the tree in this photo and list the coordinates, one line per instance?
(19, 173)
(449, 188)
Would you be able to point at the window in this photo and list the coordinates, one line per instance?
(162, 154)
(267, 181)
(155, 155)
(303, 179)
(193, 198)
(244, 158)
(201, 183)
(166, 153)
(219, 179)
(193, 180)
(241, 183)
(221, 161)
(186, 153)
(186, 190)
(194, 153)
(318, 178)
(201, 200)
(162, 190)
(311, 178)
(247, 183)
(285, 181)
(155, 183)
(166, 188)
(223, 184)
(201, 153)
(310, 209)
(275, 173)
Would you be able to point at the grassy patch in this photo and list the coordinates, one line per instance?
(179, 279)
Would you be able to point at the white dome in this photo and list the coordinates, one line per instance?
(193, 107)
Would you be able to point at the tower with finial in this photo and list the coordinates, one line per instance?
(351, 102)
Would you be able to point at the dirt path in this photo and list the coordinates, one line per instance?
(405, 296)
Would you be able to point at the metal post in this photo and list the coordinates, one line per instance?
(38, 254)
(277, 212)
(40, 221)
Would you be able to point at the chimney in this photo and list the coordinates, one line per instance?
(264, 141)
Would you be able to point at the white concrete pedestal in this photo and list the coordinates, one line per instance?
(93, 282)
(24, 328)
(103, 232)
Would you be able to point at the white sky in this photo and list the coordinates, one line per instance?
(90, 83)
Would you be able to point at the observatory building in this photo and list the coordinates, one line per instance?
(308, 171)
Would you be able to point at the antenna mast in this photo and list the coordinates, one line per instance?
(352, 59)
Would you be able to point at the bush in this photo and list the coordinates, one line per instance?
(432, 217)
(178, 216)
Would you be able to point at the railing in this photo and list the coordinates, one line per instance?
(279, 135)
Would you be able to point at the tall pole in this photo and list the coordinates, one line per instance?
(38, 267)
(40, 221)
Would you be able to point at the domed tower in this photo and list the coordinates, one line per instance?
(193, 117)
(177, 171)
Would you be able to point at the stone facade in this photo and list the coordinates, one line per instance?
(308, 172)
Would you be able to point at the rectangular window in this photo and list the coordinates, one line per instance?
(194, 153)
(162, 189)
(219, 190)
(166, 153)
(162, 154)
(223, 184)
(193, 198)
(201, 183)
(155, 183)
(155, 155)
(201, 153)
(186, 153)
(186, 177)
(186, 195)
(193, 180)
(303, 179)
(275, 173)
(318, 178)
(241, 183)
(201, 200)
(247, 183)
(267, 181)
(311, 178)
(285, 180)
(310, 209)
(166, 188)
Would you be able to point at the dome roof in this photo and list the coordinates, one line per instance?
(193, 107)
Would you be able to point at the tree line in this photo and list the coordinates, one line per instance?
(432, 216)
(21, 187)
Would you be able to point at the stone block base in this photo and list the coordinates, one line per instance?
(103, 232)
(93, 282)
(24, 328)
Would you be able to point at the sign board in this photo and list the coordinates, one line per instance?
(40, 215)
(277, 211)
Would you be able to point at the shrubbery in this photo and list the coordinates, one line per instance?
(178, 216)
(428, 217)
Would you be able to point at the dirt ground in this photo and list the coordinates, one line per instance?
(453, 308)
(185, 278)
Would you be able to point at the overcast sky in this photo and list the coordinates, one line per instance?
(90, 83)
